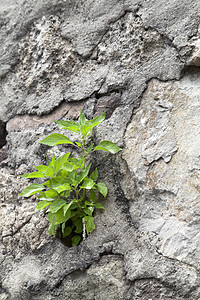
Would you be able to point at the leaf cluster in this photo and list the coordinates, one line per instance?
(70, 192)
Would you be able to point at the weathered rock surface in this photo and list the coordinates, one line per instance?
(138, 61)
(162, 152)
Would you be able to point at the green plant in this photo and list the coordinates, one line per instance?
(71, 192)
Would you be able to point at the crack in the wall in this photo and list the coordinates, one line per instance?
(82, 270)
(165, 38)
(26, 121)
(157, 160)
(21, 30)
(140, 97)
(135, 13)
(107, 103)
(169, 40)
(63, 110)
(189, 69)
(18, 229)
(3, 134)
(121, 199)
(122, 15)
(173, 259)
(140, 278)
(157, 281)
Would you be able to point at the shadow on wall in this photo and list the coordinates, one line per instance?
(3, 134)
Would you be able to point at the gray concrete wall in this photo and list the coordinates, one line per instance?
(138, 61)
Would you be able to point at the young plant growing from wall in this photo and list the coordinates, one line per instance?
(70, 193)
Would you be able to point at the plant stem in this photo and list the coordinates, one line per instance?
(84, 231)
(77, 198)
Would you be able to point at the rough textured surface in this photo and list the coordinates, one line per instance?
(138, 61)
(102, 279)
(163, 155)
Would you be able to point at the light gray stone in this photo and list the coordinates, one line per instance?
(167, 188)
(21, 230)
(49, 64)
(104, 278)
(178, 21)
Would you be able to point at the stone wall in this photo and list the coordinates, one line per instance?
(138, 60)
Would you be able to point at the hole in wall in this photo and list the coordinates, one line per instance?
(3, 134)
(67, 240)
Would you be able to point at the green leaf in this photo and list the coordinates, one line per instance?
(60, 217)
(67, 231)
(57, 182)
(41, 168)
(50, 171)
(92, 195)
(73, 177)
(87, 126)
(99, 205)
(89, 210)
(69, 167)
(94, 175)
(69, 125)
(42, 204)
(89, 203)
(60, 161)
(33, 175)
(108, 146)
(74, 206)
(62, 174)
(101, 187)
(52, 227)
(78, 163)
(56, 139)
(90, 226)
(78, 144)
(82, 162)
(88, 184)
(49, 195)
(52, 163)
(75, 240)
(79, 225)
(63, 227)
(56, 205)
(66, 207)
(51, 218)
(84, 173)
(74, 160)
(32, 189)
(85, 130)
(65, 194)
(81, 119)
(82, 197)
(96, 121)
(48, 161)
(89, 149)
(63, 187)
